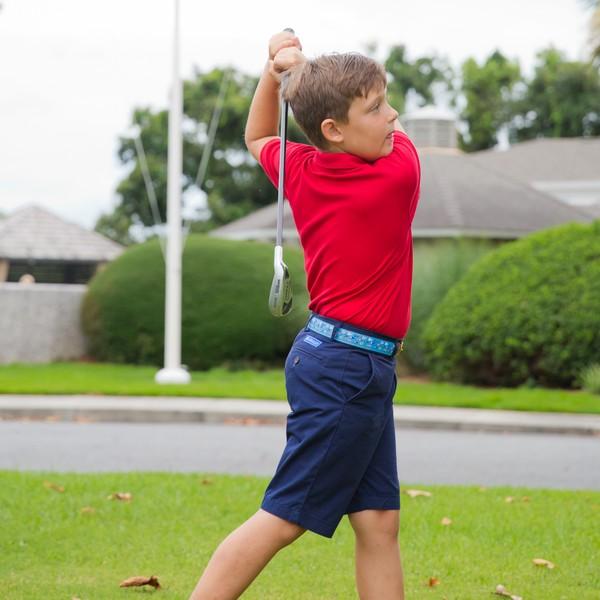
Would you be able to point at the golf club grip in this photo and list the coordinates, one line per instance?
(290, 30)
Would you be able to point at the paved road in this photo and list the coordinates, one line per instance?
(534, 460)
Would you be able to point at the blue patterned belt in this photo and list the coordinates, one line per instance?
(354, 338)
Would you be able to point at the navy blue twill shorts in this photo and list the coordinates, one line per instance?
(340, 455)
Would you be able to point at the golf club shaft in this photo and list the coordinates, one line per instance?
(280, 195)
(283, 116)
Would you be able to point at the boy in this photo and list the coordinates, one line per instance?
(353, 196)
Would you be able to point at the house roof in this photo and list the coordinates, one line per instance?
(463, 197)
(259, 225)
(35, 233)
(546, 159)
(459, 196)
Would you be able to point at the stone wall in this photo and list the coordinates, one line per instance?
(40, 322)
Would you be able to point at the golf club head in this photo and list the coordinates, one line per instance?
(280, 297)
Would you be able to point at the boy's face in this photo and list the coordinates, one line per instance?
(370, 127)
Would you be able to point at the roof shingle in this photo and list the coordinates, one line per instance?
(34, 233)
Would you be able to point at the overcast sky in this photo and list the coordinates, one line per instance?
(71, 71)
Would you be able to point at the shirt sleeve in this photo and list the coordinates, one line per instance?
(407, 159)
(404, 147)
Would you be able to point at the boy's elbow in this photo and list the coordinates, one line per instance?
(246, 136)
(252, 146)
(249, 139)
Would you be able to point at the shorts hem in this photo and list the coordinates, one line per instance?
(299, 517)
(375, 503)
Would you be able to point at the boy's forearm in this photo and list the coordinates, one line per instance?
(263, 117)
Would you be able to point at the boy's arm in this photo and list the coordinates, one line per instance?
(263, 118)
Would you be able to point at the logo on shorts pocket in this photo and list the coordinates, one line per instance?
(309, 339)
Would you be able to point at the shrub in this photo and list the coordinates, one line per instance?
(590, 379)
(225, 314)
(529, 312)
(438, 266)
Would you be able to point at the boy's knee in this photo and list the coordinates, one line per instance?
(368, 524)
(290, 532)
(286, 531)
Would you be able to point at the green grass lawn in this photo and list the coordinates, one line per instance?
(51, 550)
(90, 378)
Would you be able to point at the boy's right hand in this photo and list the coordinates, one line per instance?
(283, 39)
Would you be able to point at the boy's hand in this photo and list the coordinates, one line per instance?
(284, 60)
(283, 39)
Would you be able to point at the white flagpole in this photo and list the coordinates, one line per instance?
(173, 372)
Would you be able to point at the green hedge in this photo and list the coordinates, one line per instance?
(438, 265)
(527, 313)
(225, 314)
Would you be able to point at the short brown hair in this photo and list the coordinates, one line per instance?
(324, 88)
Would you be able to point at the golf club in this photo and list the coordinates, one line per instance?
(280, 297)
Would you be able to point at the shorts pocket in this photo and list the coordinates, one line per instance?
(312, 352)
(303, 377)
(357, 376)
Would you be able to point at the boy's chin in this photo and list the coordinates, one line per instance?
(385, 151)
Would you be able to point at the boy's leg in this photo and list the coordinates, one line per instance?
(378, 566)
(243, 554)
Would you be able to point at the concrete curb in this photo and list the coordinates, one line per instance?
(144, 409)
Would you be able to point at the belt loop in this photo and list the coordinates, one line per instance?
(398, 347)
(334, 331)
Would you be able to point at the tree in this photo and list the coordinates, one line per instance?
(234, 185)
(595, 32)
(562, 99)
(487, 90)
(594, 35)
(116, 226)
(418, 77)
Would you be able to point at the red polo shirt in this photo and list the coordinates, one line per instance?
(354, 221)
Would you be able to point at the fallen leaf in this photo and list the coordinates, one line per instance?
(88, 510)
(501, 591)
(433, 581)
(75, 598)
(206, 482)
(446, 521)
(510, 499)
(54, 486)
(415, 493)
(483, 489)
(542, 562)
(139, 581)
(125, 496)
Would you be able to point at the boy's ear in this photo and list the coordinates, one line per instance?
(331, 131)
